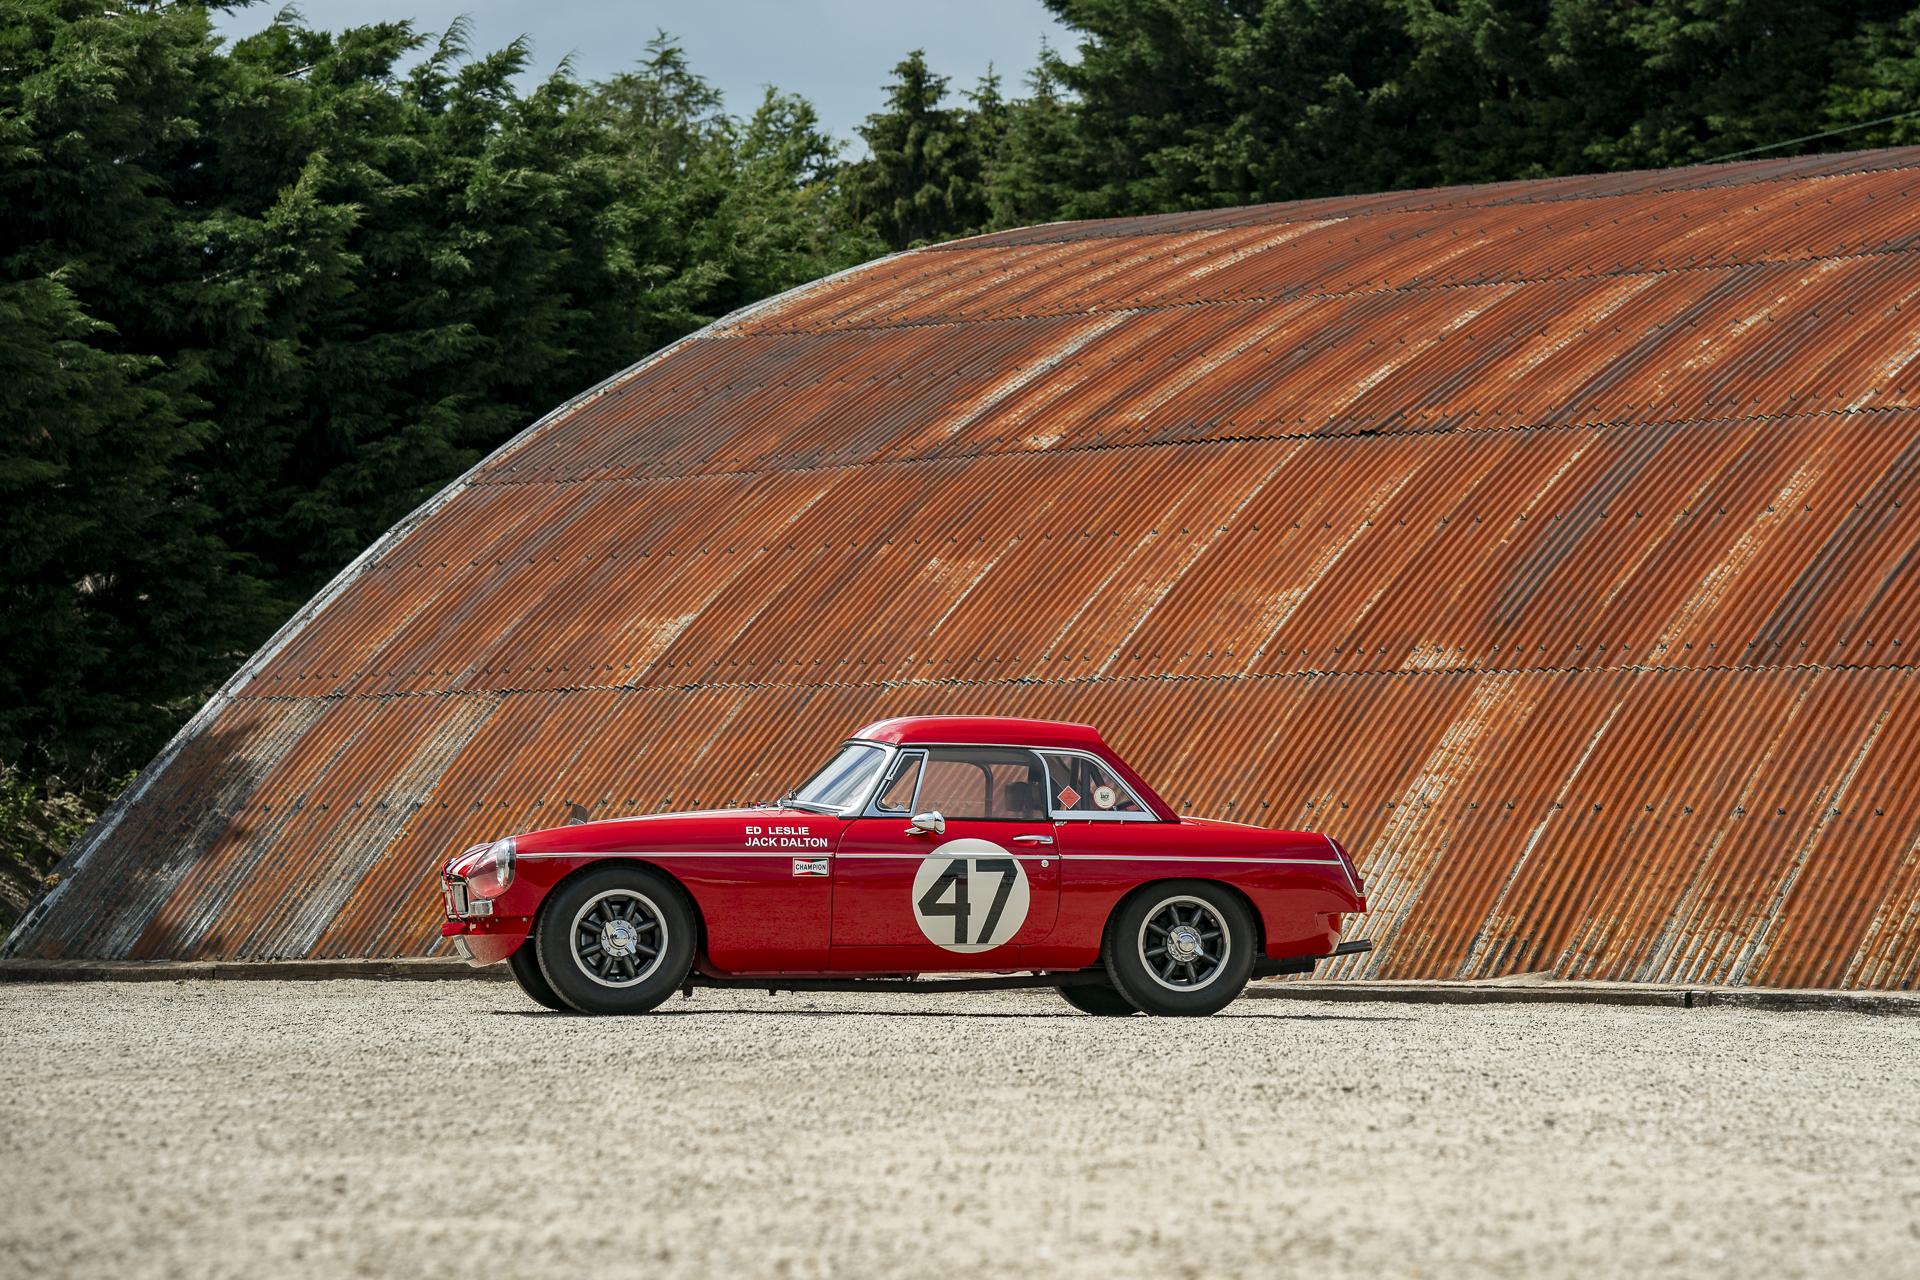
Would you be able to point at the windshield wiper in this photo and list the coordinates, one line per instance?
(787, 801)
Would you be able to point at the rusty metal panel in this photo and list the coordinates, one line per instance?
(124, 871)
(1547, 548)
(1749, 173)
(1763, 340)
(309, 829)
(1294, 254)
(1549, 543)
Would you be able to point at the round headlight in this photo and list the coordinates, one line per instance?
(492, 872)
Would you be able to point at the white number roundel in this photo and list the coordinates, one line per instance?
(970, 896)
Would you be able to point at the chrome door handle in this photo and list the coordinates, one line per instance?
(1033, 839)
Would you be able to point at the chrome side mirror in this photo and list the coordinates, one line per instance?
(928, 821)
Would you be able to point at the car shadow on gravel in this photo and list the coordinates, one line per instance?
(920, 1013)
(790, 1013)
(1334, 1017)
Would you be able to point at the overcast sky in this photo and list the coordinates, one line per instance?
(838, 53)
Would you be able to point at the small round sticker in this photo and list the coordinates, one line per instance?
(1105, 797)
(970, 896)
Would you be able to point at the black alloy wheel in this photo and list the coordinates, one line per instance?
(615, 939)
(524, 964)
(1181, 948)
(1098, 999)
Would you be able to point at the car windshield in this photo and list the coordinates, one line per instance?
(843, 782)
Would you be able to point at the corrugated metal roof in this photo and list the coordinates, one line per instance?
(1546, 542)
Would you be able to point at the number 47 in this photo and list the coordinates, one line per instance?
(956, 877)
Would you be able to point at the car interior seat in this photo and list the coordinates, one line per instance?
(1025, 800)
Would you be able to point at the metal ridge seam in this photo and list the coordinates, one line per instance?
(1317, 673)
(1248, 438)
(103, 828)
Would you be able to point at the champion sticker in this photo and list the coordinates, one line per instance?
(810, 866)
(970, 896)
(1105, 797)
(1069, 797)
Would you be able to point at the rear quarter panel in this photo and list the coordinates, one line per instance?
(1295, 880)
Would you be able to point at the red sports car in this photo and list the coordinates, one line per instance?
(1023, 850)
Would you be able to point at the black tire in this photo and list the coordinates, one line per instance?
(1099, 1000)
(615, 939)
(525, 967)
(1162, 923)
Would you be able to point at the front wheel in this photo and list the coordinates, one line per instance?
(1181, 948)
(615, 939)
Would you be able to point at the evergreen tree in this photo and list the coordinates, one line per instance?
(257, 303)
(118, 601)
(1191, 104)
(926, 177)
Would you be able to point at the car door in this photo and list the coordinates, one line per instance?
(914, 900)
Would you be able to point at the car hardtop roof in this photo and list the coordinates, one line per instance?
(997, 730)
(1010, 732)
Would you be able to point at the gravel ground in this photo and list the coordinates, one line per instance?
(440, 1128)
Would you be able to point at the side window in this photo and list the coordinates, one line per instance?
(1085, 788)
(994, 784)
(897, 795)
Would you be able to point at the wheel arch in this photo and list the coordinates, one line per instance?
(588, 868)
(1147, 886)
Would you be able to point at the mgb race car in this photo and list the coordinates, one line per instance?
(1024, 851)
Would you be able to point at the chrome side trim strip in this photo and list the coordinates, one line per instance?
(1103, 857)
(935, 853)
(1070, 856)
(1352, 882)
(664, 853)
(1064, 855)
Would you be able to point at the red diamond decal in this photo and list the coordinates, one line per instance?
(1069, 797)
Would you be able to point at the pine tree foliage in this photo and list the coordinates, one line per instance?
(1192, 104)
(259, 301)
(926, 176)
(118, 598)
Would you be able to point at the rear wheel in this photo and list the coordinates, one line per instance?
(617, 939)
(1181, 948)
(1100, 1000)
(525, 966)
